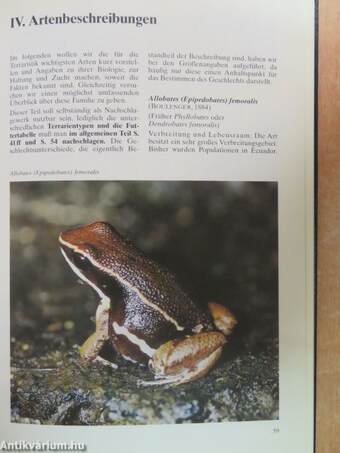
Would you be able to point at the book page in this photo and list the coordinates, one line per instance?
(157, 193)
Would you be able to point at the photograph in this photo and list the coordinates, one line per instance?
(144, 302)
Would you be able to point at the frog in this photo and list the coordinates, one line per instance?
(143, 312)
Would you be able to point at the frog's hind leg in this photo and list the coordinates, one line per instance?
(90, 349)
(223, 318)
(185, 360)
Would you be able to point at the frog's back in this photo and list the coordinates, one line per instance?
(154, 285)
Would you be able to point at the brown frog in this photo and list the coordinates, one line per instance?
(143, 311)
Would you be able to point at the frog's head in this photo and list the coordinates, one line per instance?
(91, 251)
(88, 243)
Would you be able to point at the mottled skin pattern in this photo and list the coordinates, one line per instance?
(144, 299)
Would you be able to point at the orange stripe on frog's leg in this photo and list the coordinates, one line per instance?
(180, 361)
(224, 320)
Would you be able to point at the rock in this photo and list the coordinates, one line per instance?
(59, 388)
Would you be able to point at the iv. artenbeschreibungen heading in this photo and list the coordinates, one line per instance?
(90, 18)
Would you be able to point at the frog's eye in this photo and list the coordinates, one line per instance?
(81, 261)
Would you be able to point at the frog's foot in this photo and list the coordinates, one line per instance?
(105, 362)
(224, 320)
(185, 360)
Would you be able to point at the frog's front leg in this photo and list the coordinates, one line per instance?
(91, 347)
(187, 359)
